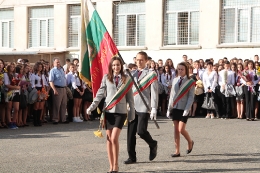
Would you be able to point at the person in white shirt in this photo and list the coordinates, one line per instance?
(39, 82)
(210, 79)
(66, 65)
(167, 79)
(78, 91)
(250, 80)
(226, 77)
(171, 65)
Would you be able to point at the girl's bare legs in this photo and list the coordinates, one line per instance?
(109, 149)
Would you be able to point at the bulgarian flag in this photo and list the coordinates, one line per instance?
(97, 46)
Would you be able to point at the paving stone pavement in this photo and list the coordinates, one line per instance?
(220, 146)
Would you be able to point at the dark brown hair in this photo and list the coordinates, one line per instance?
(110, 74)
(186, 66)
(143, 54)
(36, 66)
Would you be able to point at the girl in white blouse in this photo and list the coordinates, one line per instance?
(39, 82)
(249, 89)
(12, 84)
(210, 82)
(167, 79)
(78, 88)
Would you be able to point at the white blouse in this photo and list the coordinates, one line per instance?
(36, 80)
(8, 82)
(74, 80)
(210, 81)
(230, 77)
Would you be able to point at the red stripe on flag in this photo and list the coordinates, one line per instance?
(99, 66)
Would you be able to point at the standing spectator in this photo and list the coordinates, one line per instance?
(240, 98)
(201, 64)
(66, 65)
(190, 61)
(226, 77)
(184, 58)
(225, 60)
(58, 83)
(256, 58)
(210, 79)
(167, 83)
(249, 81)
(160, 62)
(13, 90)
(2, 98)
(38, 82)
(171, 65)
(75, 61)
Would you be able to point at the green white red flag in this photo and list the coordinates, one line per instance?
(97, 46)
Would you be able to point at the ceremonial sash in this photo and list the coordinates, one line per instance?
(183, 90)
(146, 82)
(120, 93)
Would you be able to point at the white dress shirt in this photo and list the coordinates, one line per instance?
(210, 81)
(230, 77)
(36, 80)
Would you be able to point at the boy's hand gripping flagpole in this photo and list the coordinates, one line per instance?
(139, 92)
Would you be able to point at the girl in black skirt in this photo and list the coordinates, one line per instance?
(13, 95)
(179, 111)
(115, 116)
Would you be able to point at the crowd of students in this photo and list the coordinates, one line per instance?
(26, 93)
(231, 87)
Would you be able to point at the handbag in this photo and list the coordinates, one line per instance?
(239, 90)
(208, 103)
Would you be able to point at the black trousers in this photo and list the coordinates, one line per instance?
(250, 100)
(138, 125)
(70, 105)
(226, 106)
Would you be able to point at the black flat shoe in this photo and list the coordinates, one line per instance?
(129, 161)
(176, 155)
(188, 151)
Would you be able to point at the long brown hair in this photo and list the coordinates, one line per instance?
(110, 74)
(186, 68)
(9, 73)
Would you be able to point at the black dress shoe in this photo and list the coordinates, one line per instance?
(129, 161)
(55, 123)
(176, 155)
(153, 152)
(66, 122)
(188, 151)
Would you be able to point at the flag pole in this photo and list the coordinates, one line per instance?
(139, 92)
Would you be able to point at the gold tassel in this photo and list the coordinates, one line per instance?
(125, 123)
(98, 133)
(98, 111)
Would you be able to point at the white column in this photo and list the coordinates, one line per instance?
(105, 11)
(61, 26)
(154, 24)
(209, 23)
(20, 27)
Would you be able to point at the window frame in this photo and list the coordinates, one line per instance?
(179, 46)
(10, 34)
(79, 27)
(249, 9)
(116, 24)
(38, 32)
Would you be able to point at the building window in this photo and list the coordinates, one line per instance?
(41, 26)
(7, 28)
(240, 21)
(74, 25)
(129, 24)
(181, 22)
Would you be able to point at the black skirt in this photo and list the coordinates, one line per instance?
(176, 115)
(76, 94)
(16, 97)
(114, 120)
